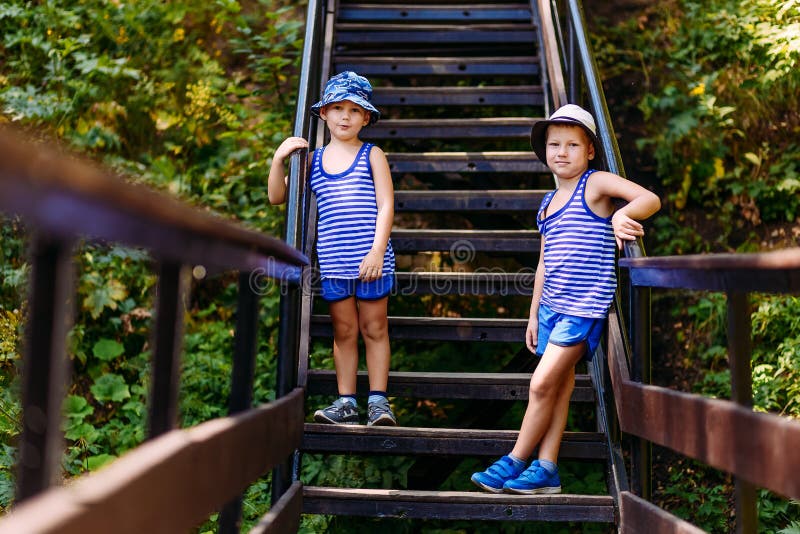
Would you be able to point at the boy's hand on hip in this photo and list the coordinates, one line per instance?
(371, 267)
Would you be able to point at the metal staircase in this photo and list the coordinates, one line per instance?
(459, 86)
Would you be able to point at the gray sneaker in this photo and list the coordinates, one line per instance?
(380, 414)
(339, 413)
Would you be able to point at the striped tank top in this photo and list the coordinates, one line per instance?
(347, 216)
(579, 257)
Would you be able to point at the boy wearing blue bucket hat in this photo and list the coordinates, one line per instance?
(355, 200)
(573, 289)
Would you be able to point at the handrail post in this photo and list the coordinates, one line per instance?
(640, 335)
(45, 365)
(739, 355)
(173, 282)
(242, 377)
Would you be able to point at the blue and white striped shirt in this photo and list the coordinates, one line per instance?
(579, 257)
(348, 214)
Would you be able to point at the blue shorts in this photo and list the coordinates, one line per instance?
(568, 330)
(335, 289)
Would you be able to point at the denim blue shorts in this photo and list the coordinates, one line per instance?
(568, 330)
(334, 289)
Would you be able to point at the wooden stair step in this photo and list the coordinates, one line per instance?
(440, 66)
(463, 283)
(489, 128)
(439, 13)
(371, 35)
(482, 200)
(440, 328)
(401, 440)
(457, 505)
(524, 95)
(488, 162)
(464, 243)
(438, 385)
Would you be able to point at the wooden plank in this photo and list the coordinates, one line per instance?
(66, 196)
(464, 243)
(552, 57)
(176, 480)
(284, 515)
(528, 95)
(373, 35)
(638, 515)
(385, 66)
(439, 13)
(465, 162)
(483, 200)
(440, 328)
(479, 386)
(363, 439)
(463, 505)
(758, 447)
(774, 272)
(475, 283)
(491, 128)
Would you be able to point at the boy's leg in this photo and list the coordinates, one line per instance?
(374, 326)
(551, 441)
(555, 365)
(344, 317)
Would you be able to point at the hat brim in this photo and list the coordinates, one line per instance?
(374, 114)
(539, 140)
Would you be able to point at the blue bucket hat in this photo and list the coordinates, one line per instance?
(348, 86)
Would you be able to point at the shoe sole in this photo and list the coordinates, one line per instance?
(320, 417)
(535, 491)
(383, 420)
(484, 487)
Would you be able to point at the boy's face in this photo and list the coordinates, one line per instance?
(344, 119)
(569, 150)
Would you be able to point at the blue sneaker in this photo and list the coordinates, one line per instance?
(534, 480)
(497, 474)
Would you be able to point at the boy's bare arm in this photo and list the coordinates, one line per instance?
(642, 203)
(372, 265)
(276, 184)
(532, 331)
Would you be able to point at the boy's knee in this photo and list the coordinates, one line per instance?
(541, 389)
(374, 329)
(344, 330)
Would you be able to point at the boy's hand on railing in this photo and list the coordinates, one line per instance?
(625, 228)
(288, 146)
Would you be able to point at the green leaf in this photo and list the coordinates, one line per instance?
(77, 407)
(96, 462)
(107, 349)
(110, 387)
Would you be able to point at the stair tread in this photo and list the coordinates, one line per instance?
(444, 497)
(581, 380)
(449, 385)
(467, 200)
(439, 232)
(395, 11)
(444, 433)
(444, 321)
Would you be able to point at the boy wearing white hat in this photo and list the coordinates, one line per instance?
(573, 288)
(355, 200)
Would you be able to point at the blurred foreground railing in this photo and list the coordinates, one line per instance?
(178, 478)
(758, 449)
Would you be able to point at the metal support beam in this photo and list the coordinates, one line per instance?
(640, 329)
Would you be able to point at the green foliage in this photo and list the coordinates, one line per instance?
(719, 96)
(188, 97)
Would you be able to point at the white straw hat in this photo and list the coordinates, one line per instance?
(567, 114)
